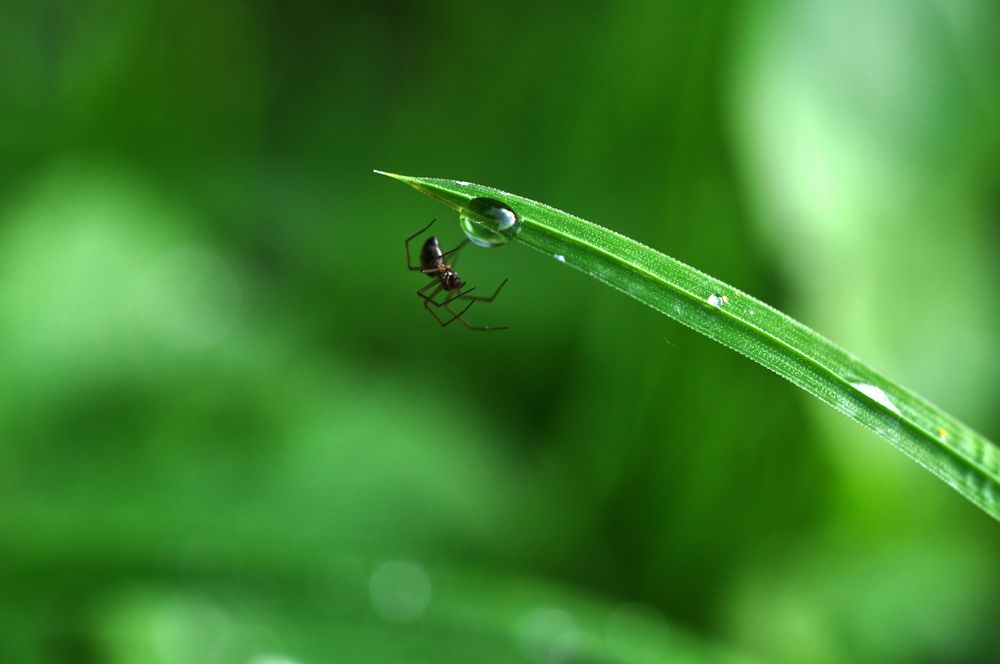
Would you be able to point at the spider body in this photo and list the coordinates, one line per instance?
(445, 279)
(432, 262)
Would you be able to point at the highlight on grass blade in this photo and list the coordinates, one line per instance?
(951, 450)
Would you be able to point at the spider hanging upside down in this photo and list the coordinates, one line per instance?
(443, 277)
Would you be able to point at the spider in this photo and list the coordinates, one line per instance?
(444, 277)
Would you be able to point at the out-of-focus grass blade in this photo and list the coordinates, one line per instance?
(964, 459)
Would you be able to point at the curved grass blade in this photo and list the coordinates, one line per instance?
(958, 455)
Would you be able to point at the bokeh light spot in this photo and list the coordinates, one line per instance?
(400, 590)
(636, 633)
(189, 298)
(548, 635)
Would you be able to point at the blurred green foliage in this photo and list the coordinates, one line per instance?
(228, 433)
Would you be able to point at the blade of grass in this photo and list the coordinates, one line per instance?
(958, 455)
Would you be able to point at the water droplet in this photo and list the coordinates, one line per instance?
(488, 222)
(560, 258)
(718, 300)
(877, 394)
(464, 183)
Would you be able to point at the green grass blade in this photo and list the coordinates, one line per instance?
(961, 457)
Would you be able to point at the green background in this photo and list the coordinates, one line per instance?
(229, 433)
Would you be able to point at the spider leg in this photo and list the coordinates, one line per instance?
(431, 297)
(420, 291)
(445, 323)
(491, 297)
(467, 324)
(455, 250)
(406, 243)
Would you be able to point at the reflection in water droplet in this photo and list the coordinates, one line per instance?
(877, 394)
(560, 258)
(488, 222)
(400, 590)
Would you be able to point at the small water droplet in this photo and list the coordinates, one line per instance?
(560, 258)
(488, 222)
(718, 300)
(877, 394)
(464, 183)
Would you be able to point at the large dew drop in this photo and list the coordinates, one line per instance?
(488, 222)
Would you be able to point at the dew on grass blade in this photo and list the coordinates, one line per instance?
(718, 300)
(488, 223)
(878, 395)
